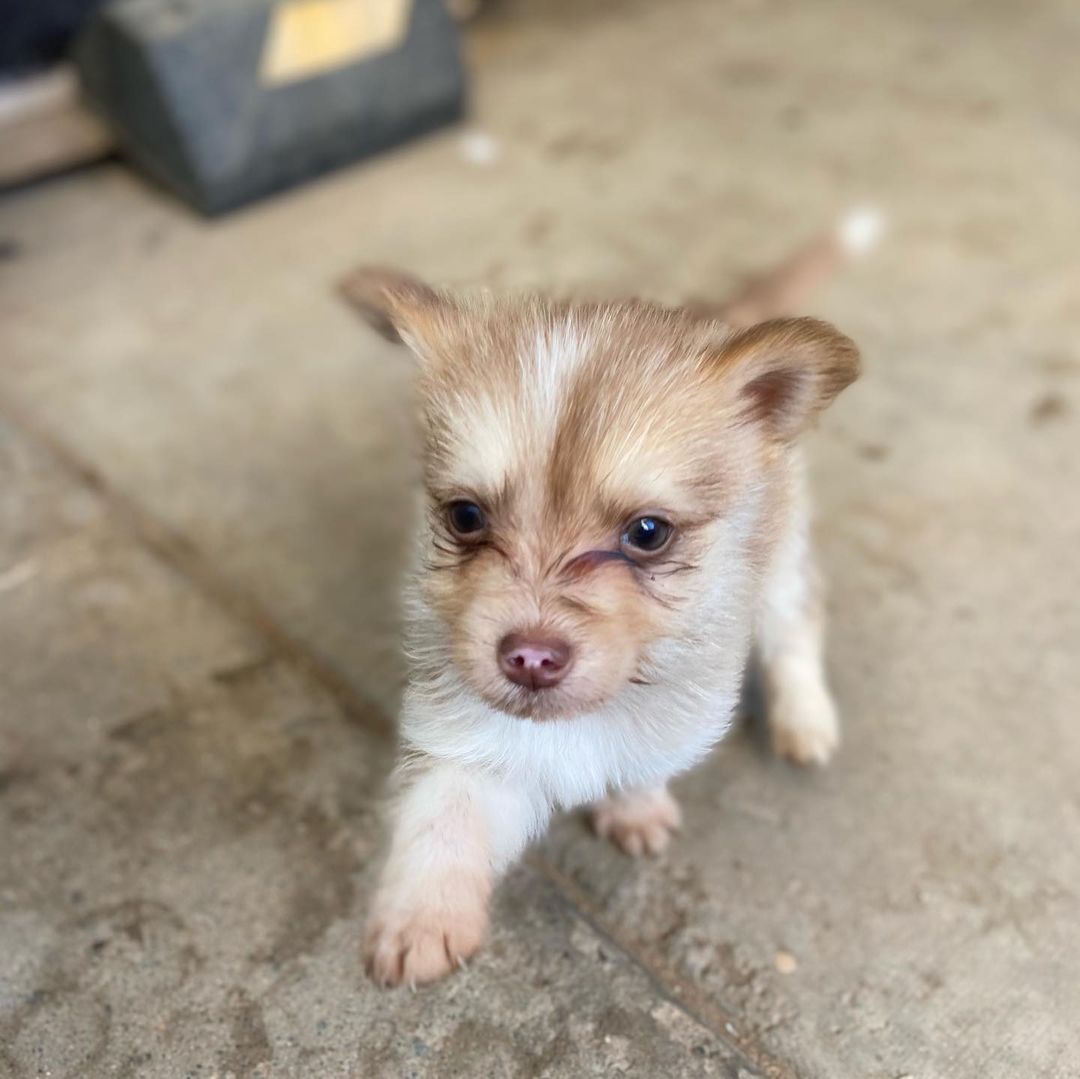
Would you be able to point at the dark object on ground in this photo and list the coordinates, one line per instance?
(224, 101)
(37, 32)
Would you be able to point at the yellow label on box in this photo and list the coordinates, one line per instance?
(310, 37)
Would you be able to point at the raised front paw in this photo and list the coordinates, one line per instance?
(638, 822)
(414, 945)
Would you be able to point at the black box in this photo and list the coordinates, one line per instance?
(224, 101)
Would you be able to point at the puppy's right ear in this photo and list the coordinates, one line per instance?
(401, 308)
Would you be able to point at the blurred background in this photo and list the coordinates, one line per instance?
(206, 468)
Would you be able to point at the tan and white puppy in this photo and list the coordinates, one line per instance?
(614, 516)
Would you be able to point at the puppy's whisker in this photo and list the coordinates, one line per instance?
(674, 568)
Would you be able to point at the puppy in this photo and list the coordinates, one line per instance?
(614, 515)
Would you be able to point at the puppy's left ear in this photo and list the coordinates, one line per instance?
(400, 307)
(786, 371)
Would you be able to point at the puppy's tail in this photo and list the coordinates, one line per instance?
(785, 289)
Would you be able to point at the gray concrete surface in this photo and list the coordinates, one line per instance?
(204, 474)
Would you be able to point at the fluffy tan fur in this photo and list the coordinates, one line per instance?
(565, 422)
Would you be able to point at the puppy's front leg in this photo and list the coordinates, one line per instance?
(638, 821)
(790, 640)
(455, 830)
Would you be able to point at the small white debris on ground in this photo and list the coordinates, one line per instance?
(785, 962)
(480, 148)
(861, 229)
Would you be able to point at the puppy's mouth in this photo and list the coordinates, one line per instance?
(538, 705)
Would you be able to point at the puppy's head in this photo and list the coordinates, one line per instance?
(594, 473)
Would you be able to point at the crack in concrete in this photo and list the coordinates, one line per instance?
(667, 981)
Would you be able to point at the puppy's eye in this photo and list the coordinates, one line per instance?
(466, 519)
(646, 535)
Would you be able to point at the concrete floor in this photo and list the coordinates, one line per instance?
(205, 467)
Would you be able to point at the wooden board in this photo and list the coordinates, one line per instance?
(45, 128)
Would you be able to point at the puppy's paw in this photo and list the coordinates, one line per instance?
(424, 944)
(638, 822)
(804, 725)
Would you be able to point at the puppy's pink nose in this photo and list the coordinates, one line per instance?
(532, 661)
